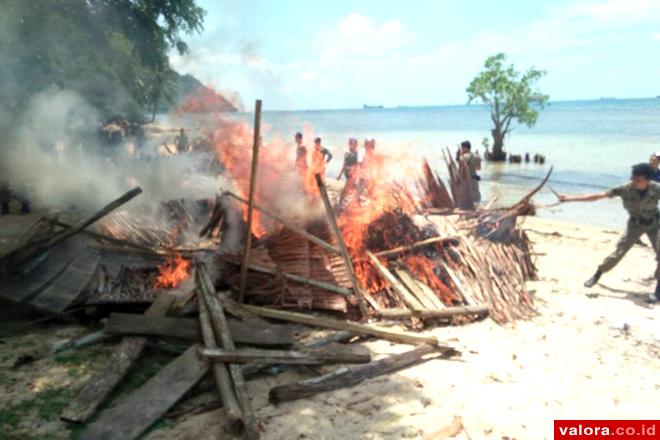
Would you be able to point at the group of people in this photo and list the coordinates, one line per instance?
(321, 156)
(640, 198)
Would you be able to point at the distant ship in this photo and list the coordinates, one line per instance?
(368, 107)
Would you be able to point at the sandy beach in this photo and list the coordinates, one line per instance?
(588, 354)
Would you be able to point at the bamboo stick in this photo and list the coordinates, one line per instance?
(313, 238)
(342, 246)
(411, 247)
(330, 323)
(253, 186)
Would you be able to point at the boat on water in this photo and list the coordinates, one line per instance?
(370, 107)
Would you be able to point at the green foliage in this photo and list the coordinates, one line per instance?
(509, 95)
(112, 52)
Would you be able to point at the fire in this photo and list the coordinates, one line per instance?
(173, 272)
(425, 270)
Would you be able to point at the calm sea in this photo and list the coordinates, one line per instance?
(591, 145)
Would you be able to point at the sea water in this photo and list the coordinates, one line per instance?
(590, 144)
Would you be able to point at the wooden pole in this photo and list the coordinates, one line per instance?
(291, 357)
(330, 323)
(408, 298)
(411, 247)
(313, 238)
(226, 341)
(253, 185)
(342, 246)
(448, 312)
(220, 370)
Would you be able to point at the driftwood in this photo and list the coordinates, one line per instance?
(220, 371)
(147, 404)
(331, 323)
(313, 238)
(448, 312)
(256, 142)
(412, 247)
(99, 386)
(310, 357)
(357, 289)
(345, 377)
(186, 328)
(219, 322)
(22, 255)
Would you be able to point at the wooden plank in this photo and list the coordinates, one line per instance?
(99, 386)
(308, 357)
(345, 377)
(220, 371)
(243, 332)
(429, 301)
(223, 334)
(330, 323)
(412, 247)
(447, 312)
(405, 295)
(147, 404)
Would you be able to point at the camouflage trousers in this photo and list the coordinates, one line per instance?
(633, 233)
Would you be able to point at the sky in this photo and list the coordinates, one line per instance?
(307, 54)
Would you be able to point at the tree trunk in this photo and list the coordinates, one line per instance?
(497, 154)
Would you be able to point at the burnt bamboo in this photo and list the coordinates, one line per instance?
(253, 186)
(323, 285)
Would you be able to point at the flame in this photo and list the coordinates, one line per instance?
(425, 270)
(173, 272)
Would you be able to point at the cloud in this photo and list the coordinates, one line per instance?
(621, 11)
(358, 35)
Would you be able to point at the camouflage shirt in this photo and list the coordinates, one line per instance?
(644, 206)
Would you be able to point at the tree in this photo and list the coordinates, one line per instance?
(509, 95)
(114, 53)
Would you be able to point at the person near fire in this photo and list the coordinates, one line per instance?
(473, 162)
(301, 155)
(654, 161)
(640, 198)
(181, 141)
(350, 160)
(320, 157)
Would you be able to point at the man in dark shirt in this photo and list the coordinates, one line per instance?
(301, 155)
(350, 160)
(181, 142)
(640, 198)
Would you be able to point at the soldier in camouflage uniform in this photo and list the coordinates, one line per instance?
(640, 198)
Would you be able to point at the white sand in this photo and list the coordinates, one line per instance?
(575, 360)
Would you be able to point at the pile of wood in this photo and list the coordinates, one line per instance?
(437, 258)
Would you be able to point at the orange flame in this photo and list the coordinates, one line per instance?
(173, 272)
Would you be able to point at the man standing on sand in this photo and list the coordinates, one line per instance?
(473, 161)
(301, 155)
(640, 198)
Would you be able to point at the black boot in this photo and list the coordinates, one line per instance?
(591, 282)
